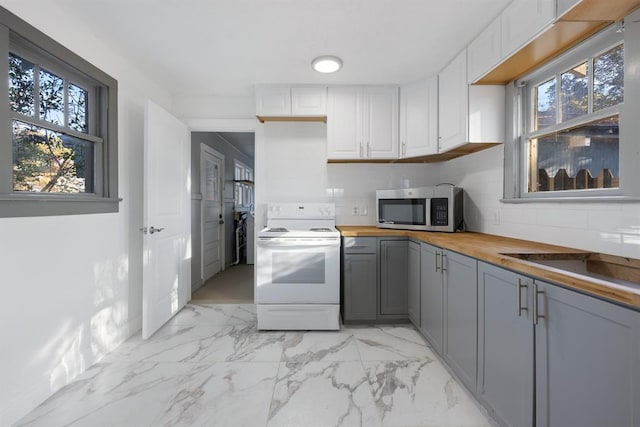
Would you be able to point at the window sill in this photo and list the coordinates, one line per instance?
(28, 205)
(593, 199)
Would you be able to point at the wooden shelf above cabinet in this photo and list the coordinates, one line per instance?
(322, 119)
(433, 158)
(584, 20)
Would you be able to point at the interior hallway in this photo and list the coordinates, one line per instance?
(231, 286)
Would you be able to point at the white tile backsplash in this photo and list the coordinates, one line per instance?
(291, 165)
(601, 227)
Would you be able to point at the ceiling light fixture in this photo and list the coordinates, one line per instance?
(326, 64)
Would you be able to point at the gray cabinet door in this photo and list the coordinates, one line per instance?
(505, 347)
(461, 320)
(587, 361)
(431, 296)
(414, 283)
(393, 277)
(360, 287)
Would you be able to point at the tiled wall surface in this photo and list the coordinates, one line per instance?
(609, 227)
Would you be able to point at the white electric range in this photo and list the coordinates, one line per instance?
(298, 268)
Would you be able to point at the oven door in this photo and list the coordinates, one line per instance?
(294, 270)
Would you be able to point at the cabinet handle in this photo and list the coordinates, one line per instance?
(437, 256)
(368, 149)
(442, 267)
(404, 148)
(361, 149)
(536, 315)
(356, 246)
(519, 297)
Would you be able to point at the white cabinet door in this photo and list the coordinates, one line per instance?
(344, 139)
(453, 100)
(309, 101)
(483, 53)
(380, 123)
(419, 119)
(522, 20)
(273, 101)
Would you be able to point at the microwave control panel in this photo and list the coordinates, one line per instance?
(440, 211)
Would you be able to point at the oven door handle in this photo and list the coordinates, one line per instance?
(288, 243)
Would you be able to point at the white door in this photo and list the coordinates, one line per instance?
(453, 103)
(212, 175)
(167, 215)
(344, 139)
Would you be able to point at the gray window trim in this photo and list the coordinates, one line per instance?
(515, 173)
(31, 41)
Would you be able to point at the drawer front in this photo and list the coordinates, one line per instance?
(359, 245)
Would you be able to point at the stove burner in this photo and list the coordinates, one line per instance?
(277, 230)
(320, 229)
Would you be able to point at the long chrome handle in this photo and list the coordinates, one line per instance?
(536, 314)
(368, 149)
(356, 246)
(361, 149)
(442, 259)
(519, 297)
(404, 148)
(437, 256)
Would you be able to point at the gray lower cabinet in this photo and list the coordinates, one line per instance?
(413, 284)
(580, 356)
(505, 347)
(374, 279)
(587, 361)
(359, 279)
(431, 296)
(394, 256)
(460, 315)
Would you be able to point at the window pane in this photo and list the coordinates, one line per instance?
(608, 78)
(545, 95)
(575, 92)
(51, 98)
(50, 162)
(77, 108)
(577, 159)
(21, 85)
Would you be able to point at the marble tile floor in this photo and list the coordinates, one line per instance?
(209, 366)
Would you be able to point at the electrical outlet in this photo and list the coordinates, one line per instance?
(355, 211)
(364, 210)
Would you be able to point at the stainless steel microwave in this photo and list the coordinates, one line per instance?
(423, 208)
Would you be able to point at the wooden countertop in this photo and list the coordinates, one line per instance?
(494, 249)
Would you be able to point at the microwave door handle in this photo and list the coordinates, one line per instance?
(427, 213)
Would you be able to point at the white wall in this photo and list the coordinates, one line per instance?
(72, 285)
(610, 227)
(291, 166)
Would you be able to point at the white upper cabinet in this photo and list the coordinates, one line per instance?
(467, 114)
(419, 119)
(284, 101)
(344, 140)
(522, 20)
(362, 122)
(380, 124)
(485, 51)
(453, 103)
(309, 101)
(273, 101)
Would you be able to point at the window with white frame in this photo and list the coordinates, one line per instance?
(60, 148)
(243, 185)
(570, 122)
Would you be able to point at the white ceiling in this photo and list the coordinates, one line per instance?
(224, 47)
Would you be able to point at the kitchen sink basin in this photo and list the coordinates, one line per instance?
(609, 268)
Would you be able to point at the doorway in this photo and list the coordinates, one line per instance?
(223, 160)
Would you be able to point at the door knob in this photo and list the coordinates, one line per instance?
(151, 230)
